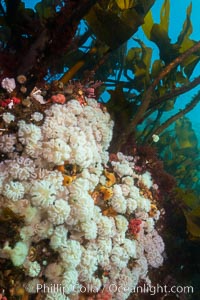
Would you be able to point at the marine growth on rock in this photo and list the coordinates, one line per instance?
(86, 220)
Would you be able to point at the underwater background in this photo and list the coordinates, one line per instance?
(176, 20)
(123, 65)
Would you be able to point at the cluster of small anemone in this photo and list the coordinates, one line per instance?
(94, 213)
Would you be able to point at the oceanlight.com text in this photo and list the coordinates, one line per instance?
(163, 289)
(114, 288)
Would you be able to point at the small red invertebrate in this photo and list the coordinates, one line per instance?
(134, 226)
(9, 102)
(2, 297)
(59, 98)
(16, 100)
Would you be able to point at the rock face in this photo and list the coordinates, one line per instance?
(87, 219)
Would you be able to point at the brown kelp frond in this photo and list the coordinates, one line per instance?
(178, 115)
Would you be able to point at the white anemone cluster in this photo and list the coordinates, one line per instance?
(86, 242)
